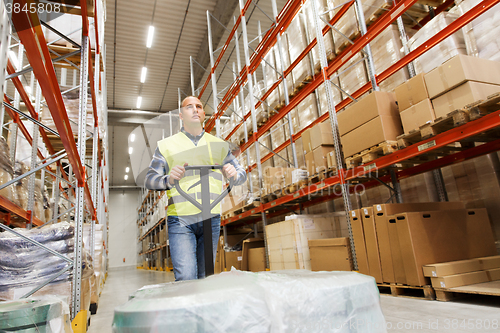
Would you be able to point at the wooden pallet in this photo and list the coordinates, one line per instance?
(380, 11)
(453, 119)
(252, 205)
(268, 197)
(372, 153)
(316, 178)
(487, 288)
(262, 122)
(291, 188)
(399, 290)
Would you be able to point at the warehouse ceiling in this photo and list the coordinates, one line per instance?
(180, 31)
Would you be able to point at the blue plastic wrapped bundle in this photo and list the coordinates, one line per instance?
(236, 301)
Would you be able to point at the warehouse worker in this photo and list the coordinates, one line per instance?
(191, 146)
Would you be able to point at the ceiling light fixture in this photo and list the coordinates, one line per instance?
(132, 137)
(126, 177)
(150, 36)
(139, 101)
(130, 150)
(143, 74)
(127, 169)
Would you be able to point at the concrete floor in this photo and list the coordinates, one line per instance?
(402, 314)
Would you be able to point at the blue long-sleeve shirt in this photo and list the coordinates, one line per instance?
(158, 173)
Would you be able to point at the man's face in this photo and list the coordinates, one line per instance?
(192, 111)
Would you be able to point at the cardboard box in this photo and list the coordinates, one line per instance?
(417, 115)
(359, 241)
(375, 131)
(462, 95)
(321, 135)
(310, 164)
(331, 254)
(320, 156)
(372, 246)
(452, 281)
(481, 241)
(306, 141)
(411, 92)
(331, 160)
(257, 259)
(460, 69)
(219, 257)
(247, 260)
(387, 235)
(233, 259)
(488, 263)
(493, 274)
(231, 202)
(439, 236)
(376, 104)
(452, 268)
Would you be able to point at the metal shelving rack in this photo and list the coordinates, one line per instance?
(344, 178)
(82, 180)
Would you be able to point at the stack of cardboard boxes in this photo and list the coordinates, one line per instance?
(368, 122)
(394, 241)
(319, 151)
(463, 272)
(458, 82)
(276, 178)
(331, 254)
(251, 257)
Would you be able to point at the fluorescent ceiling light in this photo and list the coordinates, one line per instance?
(126, 177)
(132, 137)
(143, 74)
(127, 169)
(139, 101)
(130, 150)
(150, 36)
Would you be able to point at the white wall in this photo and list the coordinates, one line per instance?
(123, 206)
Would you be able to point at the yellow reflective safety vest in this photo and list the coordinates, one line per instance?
(178, 150)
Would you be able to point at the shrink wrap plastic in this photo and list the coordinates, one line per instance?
(21, 187)
(237, 301)
(297, 44)
(386, 50)
(307, 111)
(277, 139)
(23, 265)
(36, 314)
(6, 170)
(311, 30)
(481, 35)
(355, 77)
(323, 102)
(286, 63)
(41, 201)
(445, 50)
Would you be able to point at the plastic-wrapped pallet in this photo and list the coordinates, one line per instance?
(323, 102)
(297, 43)
(237, 301)
(278, 138)
(269, 64)
(309, 26)
(6, 170)
(39, 200)
(355, 77)
(481, 35)
(445, 50)
(21, 187)
(282, 66)
(307, 111)
(386, 50)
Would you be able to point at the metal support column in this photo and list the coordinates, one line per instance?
(212, 73)
(95, 185)
(253, 114)
(34, 150)
(339, 156)
(17, 103)
(367, 49)
(396, 186)
(285, 87)
(55, 194)
(79, 214)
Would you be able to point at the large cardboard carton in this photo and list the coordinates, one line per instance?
(320, 156)
(452, 268)
(321, 135)
(387, 234)
(493, 274)
(481, 241)
(458, 70)
(489, 262)
(331, 254)
(376, 104)
(331, 160)
(310, 164)
(372, 246)
(359, 241)
(306, 141)
(233, 259)
(462, 95)
(457, 280)
(257, 259)
(219, 257)
(231, 202)
(417, 115)
(411, 92)
(439, 236)
(247, 260)
(375, 131)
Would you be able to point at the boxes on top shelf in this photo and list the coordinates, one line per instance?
(445, 50)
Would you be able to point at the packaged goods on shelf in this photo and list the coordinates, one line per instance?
(417, 115)
(307, 111)
(323, 101)
(411, 92)
(481, 35)
(327, 299)
(287, 240)
(308, 19)
(282, 66)
(386, 51)
(41, 201)
(299, 151)
(330, 254)
(297, 43)
(354, 77)
(21, 187)
(445, 50)
(6, 170)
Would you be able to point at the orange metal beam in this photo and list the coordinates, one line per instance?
(15, 209)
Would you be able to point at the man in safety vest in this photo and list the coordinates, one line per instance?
(191, 146)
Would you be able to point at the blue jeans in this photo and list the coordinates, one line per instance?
(186, 245)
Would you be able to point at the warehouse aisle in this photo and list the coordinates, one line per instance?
(120, 284)
(402, 314)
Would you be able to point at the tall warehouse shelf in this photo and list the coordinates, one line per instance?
(61, 149)
(449, 142)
